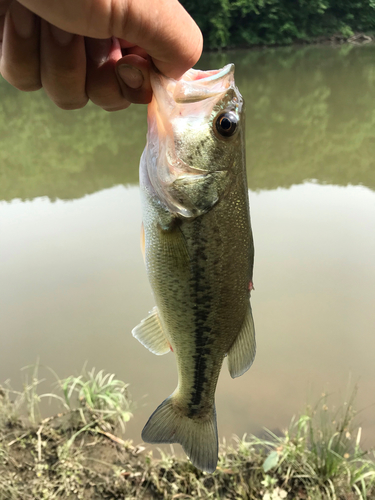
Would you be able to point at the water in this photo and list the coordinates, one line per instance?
(72, 279)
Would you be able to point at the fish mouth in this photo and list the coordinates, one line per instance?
(196, 85)
(207, 76)
(176, 104)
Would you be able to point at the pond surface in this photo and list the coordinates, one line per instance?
(72, 279)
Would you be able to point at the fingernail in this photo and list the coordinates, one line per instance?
(98, 50)
(23, 20)
(62, 37)
(131, 76)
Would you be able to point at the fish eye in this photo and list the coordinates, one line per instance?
(226, 123)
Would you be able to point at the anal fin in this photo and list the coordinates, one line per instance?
(242, 353)
(150, 333)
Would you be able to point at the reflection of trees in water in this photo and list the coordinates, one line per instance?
(310, 115)
(45, 151)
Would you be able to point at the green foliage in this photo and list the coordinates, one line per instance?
(227, 23)
(214, 19)
(103, 395)
(322, 446)
(14, 403)
(98, 398)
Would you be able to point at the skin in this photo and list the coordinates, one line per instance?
(98, 50)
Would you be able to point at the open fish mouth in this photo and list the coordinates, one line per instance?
(197, 85)
(173, 99)
(194, 86)
(181, 131)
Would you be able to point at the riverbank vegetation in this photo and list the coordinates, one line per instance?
(233, 23)
(81, 453)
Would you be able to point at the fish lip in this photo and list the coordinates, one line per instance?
(213, 75)
(194, 86)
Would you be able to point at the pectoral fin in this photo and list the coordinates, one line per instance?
(150, 333)
(174, 245)
(242, 353)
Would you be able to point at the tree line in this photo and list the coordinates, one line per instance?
(233, 23)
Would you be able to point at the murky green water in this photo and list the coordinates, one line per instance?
(72, 281)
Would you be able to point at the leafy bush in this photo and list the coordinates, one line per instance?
(227, 23)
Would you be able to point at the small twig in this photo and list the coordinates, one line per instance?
(112, 437)
(53, 417)
(39, 448)
(14, 462)
(19, 438)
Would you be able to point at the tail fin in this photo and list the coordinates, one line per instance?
(198, 437)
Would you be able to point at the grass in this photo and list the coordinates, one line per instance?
(104, 396)
(79, 454)
(40, 458)
(322, 448)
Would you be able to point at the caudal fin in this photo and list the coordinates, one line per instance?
(198, 437)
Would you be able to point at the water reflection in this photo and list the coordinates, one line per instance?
(73, 285)
(72, 280)
(310, 115)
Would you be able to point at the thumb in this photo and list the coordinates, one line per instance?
(162, 28)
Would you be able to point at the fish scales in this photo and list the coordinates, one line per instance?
(198, 252)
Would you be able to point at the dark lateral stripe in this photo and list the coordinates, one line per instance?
(202, 298)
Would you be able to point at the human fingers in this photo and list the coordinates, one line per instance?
(162, 28)
(63, 66)
(133, 72)
(20, 64)
(113, 81)
(102, 85)
(4, 4)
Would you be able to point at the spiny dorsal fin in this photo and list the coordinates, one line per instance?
(150, 333)
(242, 353)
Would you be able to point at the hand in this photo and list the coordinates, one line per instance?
(95, 49)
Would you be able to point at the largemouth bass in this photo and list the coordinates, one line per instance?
(198, 250)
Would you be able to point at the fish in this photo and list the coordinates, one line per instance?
(198, 250)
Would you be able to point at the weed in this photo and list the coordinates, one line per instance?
(104, 396)
(76, 455)
(321, 447)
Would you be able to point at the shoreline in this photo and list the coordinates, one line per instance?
(82, 452)
(334, 40)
